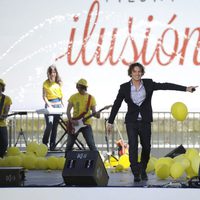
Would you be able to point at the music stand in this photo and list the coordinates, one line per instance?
(21, 133)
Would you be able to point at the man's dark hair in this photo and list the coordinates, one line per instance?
(133, 65)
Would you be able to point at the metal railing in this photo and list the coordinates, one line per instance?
(166, 131)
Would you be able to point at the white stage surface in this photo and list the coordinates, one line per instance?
(123, 193)
(49, 184)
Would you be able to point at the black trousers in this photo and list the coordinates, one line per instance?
(51, 130)
(3, 140)
(142, 130)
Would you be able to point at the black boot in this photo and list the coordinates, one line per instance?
(144, 175)
(136, 172)
(52, 147)
(143, 172)
(137, 177)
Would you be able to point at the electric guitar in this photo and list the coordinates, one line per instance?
(15, 113)
(80, 123)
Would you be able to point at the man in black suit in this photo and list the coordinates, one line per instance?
(137, 93)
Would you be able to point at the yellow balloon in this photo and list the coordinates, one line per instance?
(14, 161)
(183, 160)
(2, 162)
(41, 150)
(13, 151)
(113, 161)
(150, 165)
(164, 160)
(119, 168)
(154, 159)
(52, 162)
(195, 163)
(176, 170)
(5, 161)
(190, 172)
(185, 163)
(162, 171)
(61, 163)
(31, 147)
(190, 153)
(179, 157)
(107, 164)
(179, 111)
(124, 161)
(22, 155)
(41, 163)
(29, 162)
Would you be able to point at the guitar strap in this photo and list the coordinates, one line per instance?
(1, 103)
(87, 108)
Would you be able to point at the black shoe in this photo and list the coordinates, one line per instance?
(144, 176)
(137, 178)
(52, 148)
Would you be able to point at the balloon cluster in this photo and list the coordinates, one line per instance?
(183, 164)
(186, 164)
(35, 157)
(122, 163)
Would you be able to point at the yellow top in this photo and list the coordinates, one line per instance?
(79, 103)
(53, 90)
(7, 102)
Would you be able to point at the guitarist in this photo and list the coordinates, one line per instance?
(5, 103)
(82, 105)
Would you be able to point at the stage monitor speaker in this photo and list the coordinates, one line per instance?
(177, 151)
(11, 176)
(84, 168)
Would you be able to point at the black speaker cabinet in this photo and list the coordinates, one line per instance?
(84, 168)
(177, 151)
(11, 176)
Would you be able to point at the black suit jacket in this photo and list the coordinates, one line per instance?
(145, 108)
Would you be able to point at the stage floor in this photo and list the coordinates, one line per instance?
(53, 178)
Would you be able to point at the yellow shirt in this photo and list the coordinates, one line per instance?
(53, 90)
(7, 102)
(79, 103)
